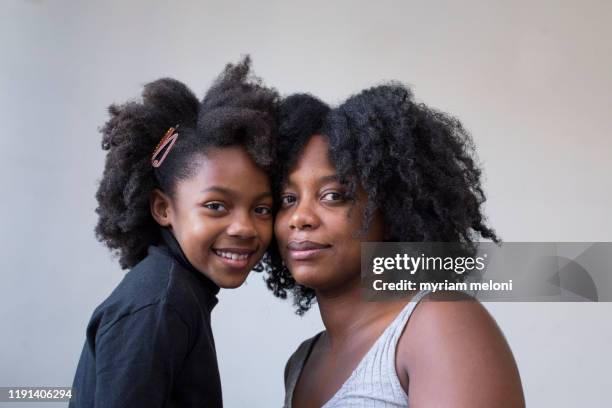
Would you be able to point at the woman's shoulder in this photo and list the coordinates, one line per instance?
(296, 361)
(448, 313)
(452, 342)
(443, 315)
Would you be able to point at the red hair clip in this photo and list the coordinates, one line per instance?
(168, 140)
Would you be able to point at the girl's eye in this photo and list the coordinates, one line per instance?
(287, 200)
(216, 206)
(263, 210)
(332, 196)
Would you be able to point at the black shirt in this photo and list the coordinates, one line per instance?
(150, 344)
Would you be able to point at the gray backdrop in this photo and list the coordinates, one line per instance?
(529, 79)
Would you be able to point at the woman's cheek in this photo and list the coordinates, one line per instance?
(280, 228)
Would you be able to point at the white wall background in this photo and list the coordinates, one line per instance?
(530, 79)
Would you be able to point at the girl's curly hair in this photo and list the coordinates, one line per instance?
(236, 110)
(416, 164)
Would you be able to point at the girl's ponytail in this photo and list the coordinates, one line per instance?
(130, 137)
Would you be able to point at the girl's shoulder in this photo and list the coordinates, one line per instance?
(157, 281)
(146, 283)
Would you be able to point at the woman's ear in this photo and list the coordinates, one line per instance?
(160, 207)
(386, 233)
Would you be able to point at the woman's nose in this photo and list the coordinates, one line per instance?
(303, 217)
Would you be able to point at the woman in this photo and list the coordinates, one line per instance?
(382, 168)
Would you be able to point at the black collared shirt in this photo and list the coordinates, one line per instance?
(150, 344)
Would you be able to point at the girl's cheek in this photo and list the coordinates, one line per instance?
(265, 230)
(206, 229)
(199, 226)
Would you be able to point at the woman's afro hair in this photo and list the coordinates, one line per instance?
(416, 164)
(237, 110)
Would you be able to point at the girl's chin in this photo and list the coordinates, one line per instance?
(226, 280)
(232, 281)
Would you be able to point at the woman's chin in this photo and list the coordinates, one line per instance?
(310, 278)
(326, 281)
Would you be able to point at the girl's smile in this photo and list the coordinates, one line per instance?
(235, 257)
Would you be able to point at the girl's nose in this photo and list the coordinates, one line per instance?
(242, 226)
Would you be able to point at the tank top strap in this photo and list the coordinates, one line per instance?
(374, 382)
(398, 325)
(374, 379)
(390, 338)
(294, 367)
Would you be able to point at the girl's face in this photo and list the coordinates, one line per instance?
(222, 215)
(317, 225)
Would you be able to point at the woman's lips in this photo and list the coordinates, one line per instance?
(303, 250)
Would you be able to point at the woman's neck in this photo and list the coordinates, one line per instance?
(344, 312)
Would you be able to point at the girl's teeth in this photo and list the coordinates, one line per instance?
(232, 256)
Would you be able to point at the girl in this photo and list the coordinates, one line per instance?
(185, 201)
(382, 168)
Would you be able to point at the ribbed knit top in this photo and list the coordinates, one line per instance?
(374, 382)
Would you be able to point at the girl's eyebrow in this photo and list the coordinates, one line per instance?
(233, 193)
(263, 195)
(217, 189)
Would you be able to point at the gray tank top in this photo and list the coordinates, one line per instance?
(374, 381)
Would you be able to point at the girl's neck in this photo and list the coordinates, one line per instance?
(345, 312)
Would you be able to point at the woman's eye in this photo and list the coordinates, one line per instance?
(263, 210)
(287, 200)
(332, 196)
(215, 206)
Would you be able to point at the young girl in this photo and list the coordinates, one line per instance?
(185, 200)
(382, 168)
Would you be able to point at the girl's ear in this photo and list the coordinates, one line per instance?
(160, 207)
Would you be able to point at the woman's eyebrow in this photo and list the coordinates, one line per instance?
(323, 179)
(331, 177)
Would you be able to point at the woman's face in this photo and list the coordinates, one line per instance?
(317, 224)
(221, 216)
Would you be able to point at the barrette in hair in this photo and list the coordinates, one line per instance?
(165, 143)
